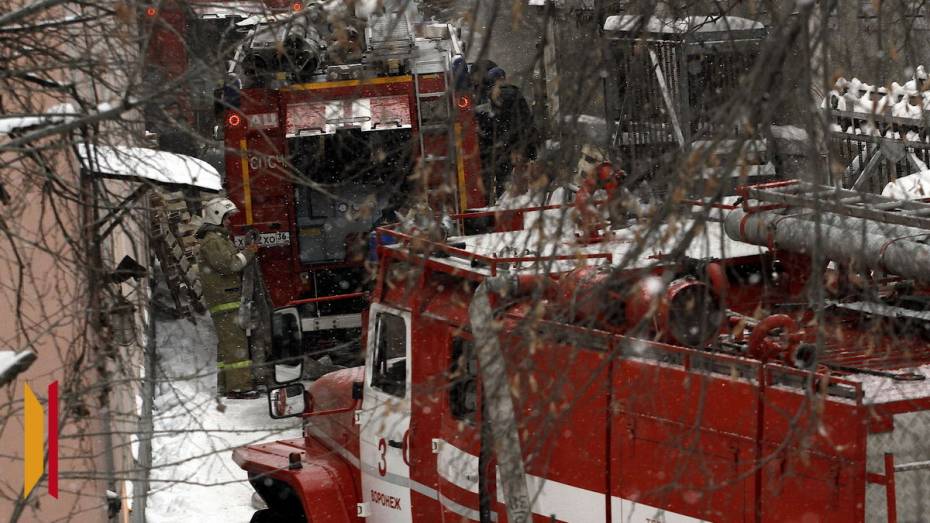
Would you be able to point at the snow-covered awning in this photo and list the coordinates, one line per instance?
(148, 164)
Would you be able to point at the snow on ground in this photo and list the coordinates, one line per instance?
(194, 477)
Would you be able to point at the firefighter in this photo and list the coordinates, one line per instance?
(591, 157)
(479, 79)
(221, 265)
(507, 130)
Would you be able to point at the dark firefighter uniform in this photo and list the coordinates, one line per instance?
(221, 265)
(506, 125)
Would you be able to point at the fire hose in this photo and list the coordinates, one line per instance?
(497, 398)
(249, 275)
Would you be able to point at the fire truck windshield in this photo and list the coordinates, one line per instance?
(351, 178)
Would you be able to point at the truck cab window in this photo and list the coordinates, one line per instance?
(389, 368)
(347, 181)
(463, 380)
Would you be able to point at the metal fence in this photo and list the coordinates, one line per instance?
(878, 149)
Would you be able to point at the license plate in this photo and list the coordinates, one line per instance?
(268, 239)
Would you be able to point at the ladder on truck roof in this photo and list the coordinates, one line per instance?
(847, 202)
(439, 120)
(390, 36)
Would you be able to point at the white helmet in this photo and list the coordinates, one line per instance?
(591, 157)
(216, 209)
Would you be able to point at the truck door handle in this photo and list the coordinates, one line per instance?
(396, 444)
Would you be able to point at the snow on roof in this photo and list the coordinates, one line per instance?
(689, 24)
(879, 389)
(149, 164)
(557, 236)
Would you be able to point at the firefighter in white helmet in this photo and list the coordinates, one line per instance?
(221, 265)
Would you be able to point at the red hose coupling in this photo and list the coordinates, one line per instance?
(762, 348)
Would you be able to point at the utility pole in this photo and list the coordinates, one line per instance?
(101, 347)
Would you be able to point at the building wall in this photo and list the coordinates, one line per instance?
(53, 320)
(45, 305)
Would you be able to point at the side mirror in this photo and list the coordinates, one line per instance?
(287, 401)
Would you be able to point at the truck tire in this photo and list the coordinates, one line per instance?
(269, 516)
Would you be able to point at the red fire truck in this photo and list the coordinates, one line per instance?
(659, 373)
(330, 137)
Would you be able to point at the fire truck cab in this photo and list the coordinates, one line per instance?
(627, 378)
(337, 126)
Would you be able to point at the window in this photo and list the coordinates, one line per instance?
(347, 181)
(463, 380)
(389, 369)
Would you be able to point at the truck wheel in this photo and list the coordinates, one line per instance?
(269, 516)
(263, 516)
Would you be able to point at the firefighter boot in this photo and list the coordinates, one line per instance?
(232, 354)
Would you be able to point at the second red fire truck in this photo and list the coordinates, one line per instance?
(340, 123)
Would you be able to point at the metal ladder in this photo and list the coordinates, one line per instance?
(847, 202)
(175, 247)
(438, 124)
(390, 36)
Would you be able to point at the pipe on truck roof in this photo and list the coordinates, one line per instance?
(890, 248)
